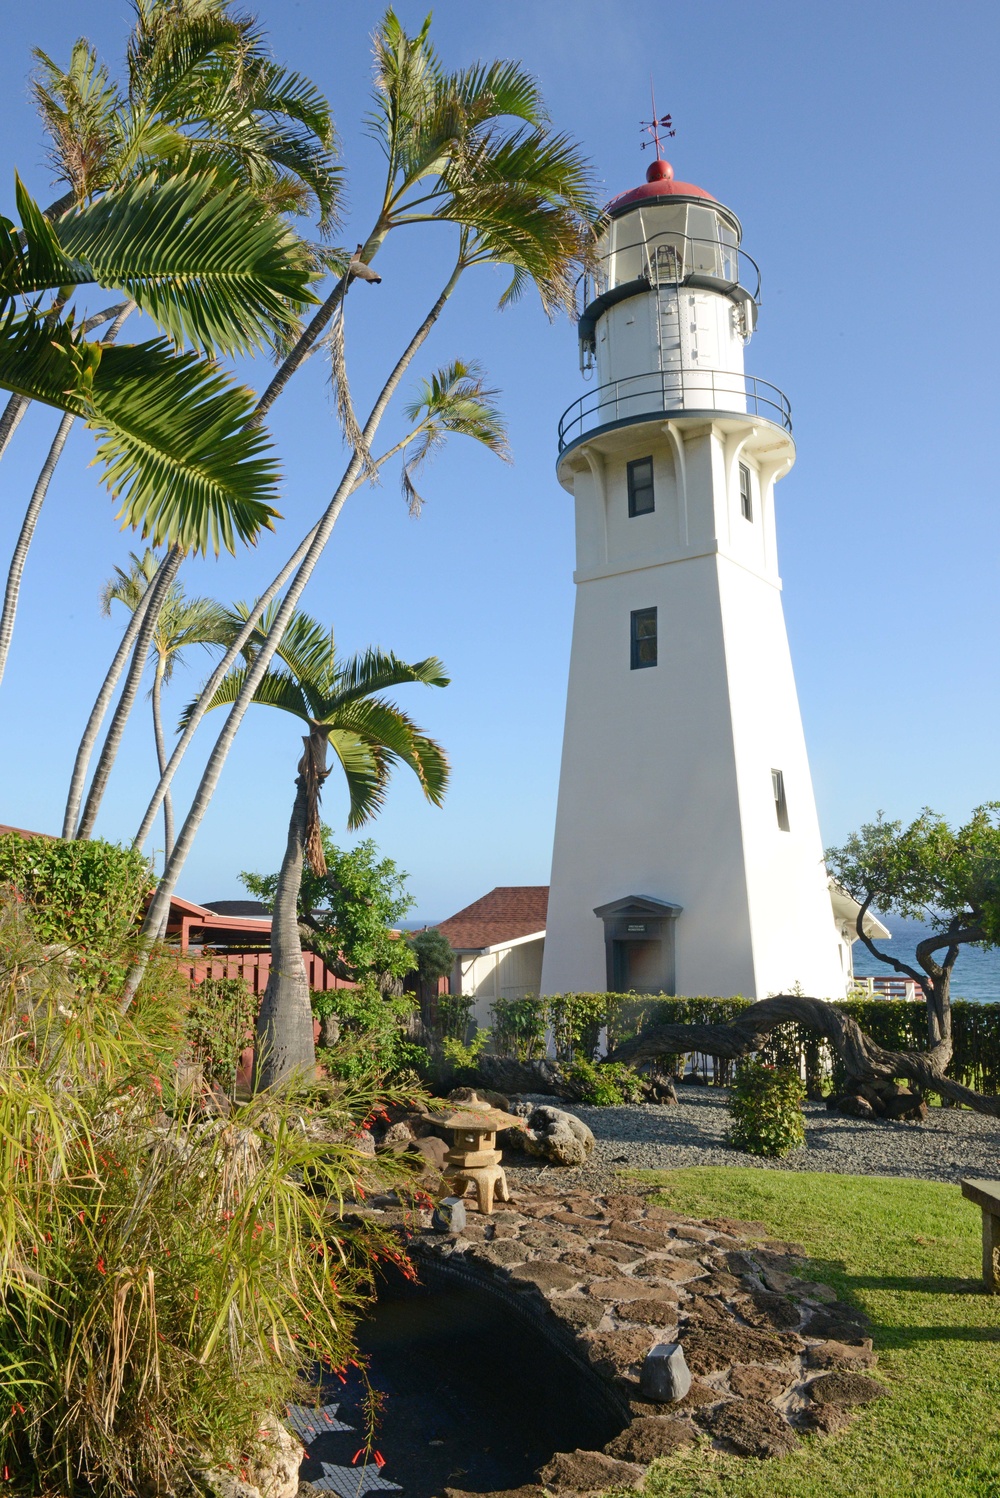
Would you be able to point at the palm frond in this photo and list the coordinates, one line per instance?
(455, 401)
(206, 265)
(79, 107)
(382, 723)
(366, 768)
(376, 670)
(275, 689)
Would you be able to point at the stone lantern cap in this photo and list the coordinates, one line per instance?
(476, 1117)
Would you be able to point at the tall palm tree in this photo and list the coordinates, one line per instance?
(201, 94)
(182, 622)
(519, 197)
(341, 706)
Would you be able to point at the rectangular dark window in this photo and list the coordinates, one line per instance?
(746, 495)
(643, 638)
(780, 804)
(640, 487)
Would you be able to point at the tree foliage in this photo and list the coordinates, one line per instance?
(348, 913)
(434, 954)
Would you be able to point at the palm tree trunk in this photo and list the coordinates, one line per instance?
(300, 352)
(79, 777)
(10, 420)
(210, 688)
(285, 1022)
(161, 760)
(28, 524)
(158, 589)
(210, 777)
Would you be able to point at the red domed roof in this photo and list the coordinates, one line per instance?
(659, 183)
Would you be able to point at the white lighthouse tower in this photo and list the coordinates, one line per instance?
(687, 852)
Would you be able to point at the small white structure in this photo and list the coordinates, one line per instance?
(845, 916)
(687, 852)
(498, 943)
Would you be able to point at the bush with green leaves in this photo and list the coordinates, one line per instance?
(220, 1025)
(86, 896)
(454, 1015)
(373, 1042)
(165, 1277)
(606, 1084)
(765, 1105)
(519, 1027)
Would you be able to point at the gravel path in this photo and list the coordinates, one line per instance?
(952, 1142)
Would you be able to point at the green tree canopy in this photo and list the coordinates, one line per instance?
(348, 913)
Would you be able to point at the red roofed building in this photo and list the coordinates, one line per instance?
(498, 943)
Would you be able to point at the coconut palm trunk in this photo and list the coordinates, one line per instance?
(161, 757)
(158, 591)
(220, 752)
(14, 575)
(285, 1022)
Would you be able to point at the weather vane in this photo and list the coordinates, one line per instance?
(653, 127)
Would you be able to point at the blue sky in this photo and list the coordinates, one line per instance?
(858, 144)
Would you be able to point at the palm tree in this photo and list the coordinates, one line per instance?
(181, 622)
(519, 196)
(342, 709)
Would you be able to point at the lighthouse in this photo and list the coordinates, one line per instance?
(687, 855)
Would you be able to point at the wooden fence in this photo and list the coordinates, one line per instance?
(254, 968)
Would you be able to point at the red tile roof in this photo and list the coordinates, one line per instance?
(507, 912)
(23, 832)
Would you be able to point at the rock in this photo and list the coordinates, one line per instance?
(839, 1355)
(506, 1075)
(827, 1418)
(553, 1135)
(683, 1271)
(762, 1308)
(591, 1263)
(613, 1352)
(651, 1238)
(398, 1133)
(530, 1490)
(434, 1151)
(708, 1350)
(579, 1311)
(905, 1105)
(852, 1104)
(845, 1389)
(449, 1215)
(664, 1376)
(364, 1144)
(589, 1472)
(750, 1382)
(274, 1466)
(649, 1437)
(750, 1427)
(718, 1283)
(838, 1322)
(219, 1484)
(648, 1312)
(546, 1275)
(619, 1289)
(502, 1251)
(815, 1290)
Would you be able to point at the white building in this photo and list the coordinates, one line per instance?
(687, 851)
(498, 943)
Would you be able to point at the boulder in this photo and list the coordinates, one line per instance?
(751, 1382)
(589, 1472)
(664, 1376)
(845, 1389)
(905, 1105)
(506, 1075)
(839, 1355)
(274, 1466)
(552, 1135)
(710, 1349)
(484, 1095)
(434, 1151)
(750, 1427)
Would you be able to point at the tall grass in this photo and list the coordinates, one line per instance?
(166, 1276)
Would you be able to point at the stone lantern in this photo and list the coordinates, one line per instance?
(473, 1159)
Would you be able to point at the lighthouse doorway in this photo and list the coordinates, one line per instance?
(639, 943)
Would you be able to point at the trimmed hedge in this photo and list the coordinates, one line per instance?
(576, 1020)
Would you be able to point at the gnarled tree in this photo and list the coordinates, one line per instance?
(948, 878)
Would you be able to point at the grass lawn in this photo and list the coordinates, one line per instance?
(908, 1252)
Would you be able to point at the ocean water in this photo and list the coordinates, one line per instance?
(976, 974)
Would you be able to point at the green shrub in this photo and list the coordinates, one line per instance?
(765, 1105)
(465, 1057)
(220, 1025)
(373, 1042)
(164, 1278)
(519, 1027)
(454, 1015)
(86, 896)
(605, 1085)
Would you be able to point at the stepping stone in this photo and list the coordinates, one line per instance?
(309, 1421)
(353, 1482)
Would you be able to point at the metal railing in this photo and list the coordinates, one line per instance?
(674, 390)
(672, 259)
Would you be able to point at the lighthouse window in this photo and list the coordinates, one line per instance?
(643, 638)
(780, 804)
(640, 487)
(746, 496)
